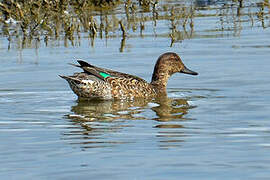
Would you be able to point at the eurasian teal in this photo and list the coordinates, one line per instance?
(100, 83)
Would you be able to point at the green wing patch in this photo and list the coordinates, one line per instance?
(104, 75)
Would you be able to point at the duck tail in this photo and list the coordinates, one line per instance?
(69, 79)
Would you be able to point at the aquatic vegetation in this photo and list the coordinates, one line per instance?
(28, 21)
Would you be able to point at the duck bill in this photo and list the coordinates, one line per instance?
(188, 71)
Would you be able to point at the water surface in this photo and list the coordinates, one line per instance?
(212, 126)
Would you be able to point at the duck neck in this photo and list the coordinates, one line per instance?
(159, 80)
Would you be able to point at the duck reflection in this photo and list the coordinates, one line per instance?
(100, 122)
(171, 109)
(166, 109)
(110, 110)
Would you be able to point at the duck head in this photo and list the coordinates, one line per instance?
(166, 65)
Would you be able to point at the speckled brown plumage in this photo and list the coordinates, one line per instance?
(102, 83)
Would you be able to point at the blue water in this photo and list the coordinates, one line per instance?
(212, 126)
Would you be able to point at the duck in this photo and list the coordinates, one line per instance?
(103, 84)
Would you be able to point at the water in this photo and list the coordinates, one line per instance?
(212, 126)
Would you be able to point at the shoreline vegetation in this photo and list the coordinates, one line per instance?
(49, 20)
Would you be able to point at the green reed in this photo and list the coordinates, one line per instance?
(53, 19)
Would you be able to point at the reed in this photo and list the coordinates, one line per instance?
(53, 19)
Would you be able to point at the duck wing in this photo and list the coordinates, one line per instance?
(103, 73)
